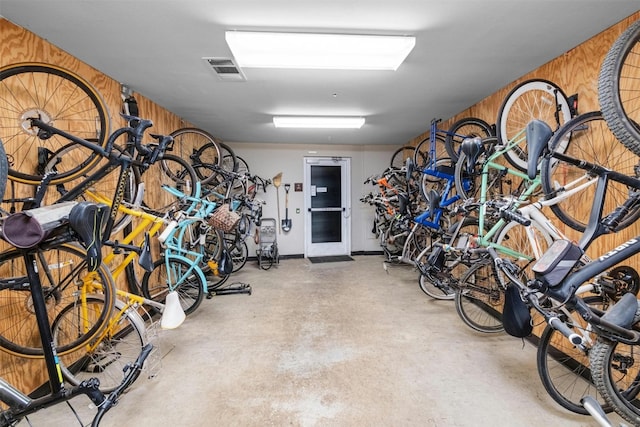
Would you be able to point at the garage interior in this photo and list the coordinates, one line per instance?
(322, 344)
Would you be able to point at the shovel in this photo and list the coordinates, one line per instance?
(286, 222)
(277, 180)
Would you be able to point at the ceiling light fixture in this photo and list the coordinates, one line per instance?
(319, 51)
(321, 122)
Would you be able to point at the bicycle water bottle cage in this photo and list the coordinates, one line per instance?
(557, 262)
(538, 135)
(472, 148)
(87, 219)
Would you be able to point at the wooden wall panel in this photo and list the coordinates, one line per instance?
(576, 72)
(19, 45)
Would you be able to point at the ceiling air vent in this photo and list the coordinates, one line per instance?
(226, 69)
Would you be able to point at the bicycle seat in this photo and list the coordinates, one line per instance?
(87, 219)
(538, 135)
(29, 228)
(433, 201)
(623, 312)
(472, 148)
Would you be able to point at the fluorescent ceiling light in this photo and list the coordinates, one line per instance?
(324, 51)
(318, 122)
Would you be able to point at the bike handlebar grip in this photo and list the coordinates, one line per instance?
(87, 219)
(167, 231)
(515, 216)
(561, 327)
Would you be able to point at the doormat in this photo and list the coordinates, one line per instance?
(337, 258)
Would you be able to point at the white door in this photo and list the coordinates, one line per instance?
(327, 206)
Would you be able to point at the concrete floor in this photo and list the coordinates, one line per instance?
(335, 344)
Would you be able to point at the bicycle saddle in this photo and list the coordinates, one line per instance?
(433, 202)
(87, 219)
(623, 312)
(538, 135)
(472, 148)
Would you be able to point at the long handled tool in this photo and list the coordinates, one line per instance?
(277, 180)
(286, 222)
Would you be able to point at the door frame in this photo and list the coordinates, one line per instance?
(327, 249)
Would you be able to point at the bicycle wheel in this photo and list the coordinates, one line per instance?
(618, 88)
(171, 171)
(532, 99)
(587, 138)
(468, 127)
(155, 284)
(238, 250)
(563, 368)
(4, 170)
(65, 281)
(441, 271)
(105, 359)
(616, 375)
(199, 148)
(58, 97)
(479, 298)
(530, 241)
(400, 156)
(422, 152)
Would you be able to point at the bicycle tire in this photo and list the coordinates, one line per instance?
(155, 284)
(479, 298)
(429, 182)
(443, 284)
(515, 236)
(616, 376)
(63, 273)
(189, 144)
(172, 171)
(400, 156)
(564, 369)
(617, 88)
(106, 361)
(238, 250)
(529, 100)
(468, 127)
(422, 152)
(4, 170)
(587, 137)
(58, 97)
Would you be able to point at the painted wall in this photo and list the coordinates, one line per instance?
(266, 160)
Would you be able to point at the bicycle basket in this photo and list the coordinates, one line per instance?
(224, 219)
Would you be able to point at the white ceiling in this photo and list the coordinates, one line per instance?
(465, 51)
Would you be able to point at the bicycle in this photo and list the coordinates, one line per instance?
(567, 285)
(511, 238)
(63, 224)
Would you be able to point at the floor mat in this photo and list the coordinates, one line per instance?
(337, 258)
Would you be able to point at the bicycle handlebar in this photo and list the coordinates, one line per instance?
(132, 372)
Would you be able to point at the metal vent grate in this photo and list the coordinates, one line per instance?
(226, 69)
